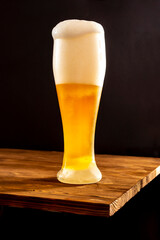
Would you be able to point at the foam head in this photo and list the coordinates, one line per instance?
(79, 52)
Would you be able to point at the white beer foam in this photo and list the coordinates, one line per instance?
(74, 27)
(79, 52)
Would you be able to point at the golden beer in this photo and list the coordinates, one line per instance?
(79, 67)
(79, 106)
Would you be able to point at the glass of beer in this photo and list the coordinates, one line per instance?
(79, 64)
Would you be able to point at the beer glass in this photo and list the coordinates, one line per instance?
(79, 65)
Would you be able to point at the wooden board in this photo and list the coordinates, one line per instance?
(28, 179)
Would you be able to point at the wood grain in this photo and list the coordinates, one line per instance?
(28, 179)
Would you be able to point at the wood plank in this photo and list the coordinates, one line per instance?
(28, 179)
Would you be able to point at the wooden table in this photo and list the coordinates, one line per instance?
(28, 179)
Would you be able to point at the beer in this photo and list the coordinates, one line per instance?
(79, 68)
(79, 106)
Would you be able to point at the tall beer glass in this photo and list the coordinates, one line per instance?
(79, 65)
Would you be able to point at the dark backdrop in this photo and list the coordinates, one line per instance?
(129, 114)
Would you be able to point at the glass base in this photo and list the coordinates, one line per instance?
(84, 176)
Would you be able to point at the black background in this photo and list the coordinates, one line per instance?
(129, 115)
